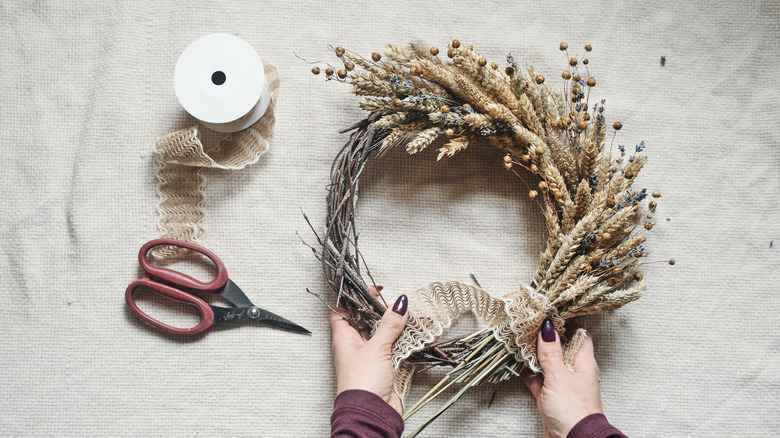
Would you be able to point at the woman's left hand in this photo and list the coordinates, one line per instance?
(367, 364)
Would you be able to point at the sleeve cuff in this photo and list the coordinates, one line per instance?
(364, 414)
(594, 426)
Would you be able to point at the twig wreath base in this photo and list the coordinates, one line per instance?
(595, 230)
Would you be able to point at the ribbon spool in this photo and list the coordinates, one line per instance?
(219, 79)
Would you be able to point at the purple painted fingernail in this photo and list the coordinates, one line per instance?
(548, 331)
(400, 305)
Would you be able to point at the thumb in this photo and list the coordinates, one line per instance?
(549, 349)
(392, 324)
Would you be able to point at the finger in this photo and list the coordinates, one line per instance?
(585, 360)
(534, 382)
(549, 349)
(340, 327)
(375, 290)
(392, 324)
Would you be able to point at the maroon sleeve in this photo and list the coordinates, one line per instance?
(594, 426)
(363, 414)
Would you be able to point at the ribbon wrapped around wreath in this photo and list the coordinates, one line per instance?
(513, 320)
(182, 157)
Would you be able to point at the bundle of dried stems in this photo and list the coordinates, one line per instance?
(595, 226)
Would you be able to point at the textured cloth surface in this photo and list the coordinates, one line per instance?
(87, 87)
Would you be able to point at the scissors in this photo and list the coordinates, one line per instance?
(180, 287)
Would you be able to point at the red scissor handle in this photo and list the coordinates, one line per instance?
(206, 314)
(178, 278)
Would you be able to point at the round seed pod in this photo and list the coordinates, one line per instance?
(563, 46)
(376, 56)
(588, 48)
(449, 132)
(534, 168)
(586, 117)
(539, 79)
(329, 71)
(349, 66)
(339, 51)
(450, 53)
(656, 193)
(648, 225)
(445, 109)
(494, 66)
(533, 194)
(638, 276)
(509, 71)
(573, 62)
(582, 125)
(315, 70)
(542, 185)
(585, 61)
(455, 44)
(482, 62)
(577, 78)
(566, 74)
(612, 281)
(652, 205)
(672, 262)
(591, 81)
(437, 91)
(507, 158)
(610, 202)
(539, 150)
(342, 74)
(434, 51)
(617, 126)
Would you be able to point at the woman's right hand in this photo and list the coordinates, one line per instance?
(564, 397)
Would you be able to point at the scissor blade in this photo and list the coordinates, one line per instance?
(274, 320)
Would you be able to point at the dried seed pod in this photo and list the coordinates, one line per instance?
(445, 109)
(573, 62)
(612, 281)
(582, 125)
(342, 74)
(586, 117)
(508, 158)
(455, 44)
(617, 126)
(526, 158)
(585, 61)
(587, 269)
(450, 53)
(648, 225)
(652, 205)
(339, 51)
(482, 62)
(641, 239)
(509, 71)
(329, 71)
(617, 271)
(563, 46)
(539, 79)
(494, 66)
(567, 120)
(508, 165)
(629, 174)
(533, 194)
(610, 202)
(397, 103)
(437, 91)
(534, 168)
(315, 70)
(466, 107)
(434, 51)
(376, 56)
(638, 276)
(672, 262)
(349, 66)
(588, 48)
(606, 236)
(591, 81)
(539, 150)
(542, 185)
(656, 193)
(566, 74)
(414, 71)
(577, 78)
(449, 132)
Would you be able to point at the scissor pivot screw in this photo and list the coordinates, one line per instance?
(253, 312)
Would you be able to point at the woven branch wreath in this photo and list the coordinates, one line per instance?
(594, 224)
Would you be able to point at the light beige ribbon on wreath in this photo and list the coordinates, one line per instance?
(515, 320)
(182, 158)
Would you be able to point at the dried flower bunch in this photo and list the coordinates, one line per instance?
(595, 226)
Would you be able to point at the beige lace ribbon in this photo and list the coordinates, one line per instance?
(515, 320)
(181, 159)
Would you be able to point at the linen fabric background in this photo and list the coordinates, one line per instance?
(87, 86)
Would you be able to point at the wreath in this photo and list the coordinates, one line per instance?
(595, 222)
